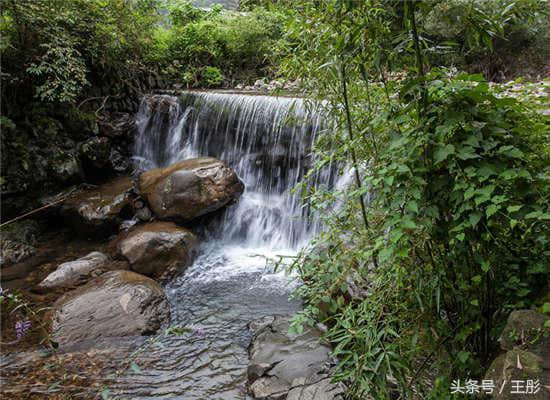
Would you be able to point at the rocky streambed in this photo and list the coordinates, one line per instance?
(116, 331)
(152, 282)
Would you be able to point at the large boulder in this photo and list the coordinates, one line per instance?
(117, 303)
(157, 249)
(74, 273)
(97, 209)
(191, 188)
(289, 366)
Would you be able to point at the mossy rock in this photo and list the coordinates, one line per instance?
(65, 166)
(96, 150)
(518, 365)
(526, 329)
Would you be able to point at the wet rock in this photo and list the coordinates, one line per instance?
(288, 366)
(18, 241)
(157, 249)
(119, 163)
(190, 188)
(260, 84)
(117, 303)
(144, 214)
(125, 225)
(118, 125)
(98, 210)
(77, 272)
(13, 252)
(315, 389)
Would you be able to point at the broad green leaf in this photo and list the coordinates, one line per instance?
(485, 266)
(491, 210)
(512, 209)
(511, 151)
(408, 223)
(442, 153)
(412, 206)
(385, 254)
(463, 356)
(474, 218)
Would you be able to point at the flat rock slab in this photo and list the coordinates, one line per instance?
(190, 188)
(288, 366)
(157, 249)
(116, 304)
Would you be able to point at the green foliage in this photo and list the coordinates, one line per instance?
(237, 44)
(211, 76)
(183, 13)
(58, 48)
(61, 71)
(454, 178)
(488, 36)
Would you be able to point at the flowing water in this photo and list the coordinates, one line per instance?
(267, 140)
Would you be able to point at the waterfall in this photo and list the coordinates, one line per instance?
(266, 139)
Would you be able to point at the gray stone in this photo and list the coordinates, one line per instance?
(526, 341)
(524, 329)
(518, 365)
(284, 366)
(144, 214)
(12, 252)
(191, 188)
(320, 390)
(116, 304)
(65, 167)
(77, 272)
(118, 162)
(96, 151)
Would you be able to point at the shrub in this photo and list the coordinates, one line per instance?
(211, 77)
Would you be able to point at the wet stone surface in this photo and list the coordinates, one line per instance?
(116, 304)
(289, 366)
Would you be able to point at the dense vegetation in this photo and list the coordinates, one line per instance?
(445, 230)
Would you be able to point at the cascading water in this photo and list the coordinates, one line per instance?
(267, 140)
